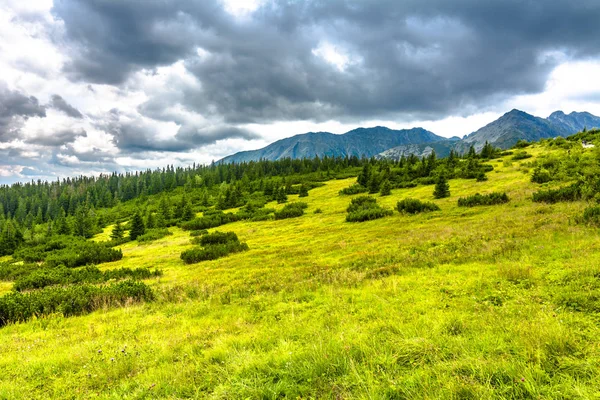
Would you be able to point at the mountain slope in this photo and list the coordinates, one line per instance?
(361, 142)
(574, 122)
(509, 129)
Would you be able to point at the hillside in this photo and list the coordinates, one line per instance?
(361, 142)
(497, 301)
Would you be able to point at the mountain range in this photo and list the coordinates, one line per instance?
(388, 143)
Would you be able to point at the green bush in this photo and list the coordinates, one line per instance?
(212, 252)
(521, 155)
(74, 300)
(591, 216)
(368, 214)
(483, 199)
(217, 238)
(69, 251)
(291, 210)
(365, 208)
(354, 189)
(199, 233)
(41, 278)
(540, 175)
(154, 234)
(568, 193)
(415, 206)
(361, 202)
(210, 219)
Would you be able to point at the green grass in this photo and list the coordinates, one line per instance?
(498, 302)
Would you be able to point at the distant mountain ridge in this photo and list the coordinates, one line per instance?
(361, 142)
(383, 142)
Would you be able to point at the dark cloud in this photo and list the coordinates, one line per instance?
(57, 138)
(15, 108)
(60, 104)
(421, 59)
(137, 135)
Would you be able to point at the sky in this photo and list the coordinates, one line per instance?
(95, 86)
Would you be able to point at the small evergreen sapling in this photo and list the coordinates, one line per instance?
(442, 188)
(137, 227)
(118, 232)
(386, 188)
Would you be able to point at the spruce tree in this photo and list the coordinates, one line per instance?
(188, 212)
(373, 184)
(386, 188)
(280, 196)
(137, 226)
(150, 220)
(118, 231)
(442, 188)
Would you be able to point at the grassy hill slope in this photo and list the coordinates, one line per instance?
(484, 302)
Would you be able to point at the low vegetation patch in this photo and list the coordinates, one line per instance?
(483, 199)
(354, 189)
(568, 193)
(365, 208)
(154, 234)
(74, 300)
(415, 206)
(69, 251)
(214, 245)
(291, 210)
(41, 278)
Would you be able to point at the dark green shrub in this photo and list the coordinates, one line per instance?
(210, 219)
(568, 193)
(212, 252)
(291, 210)
(154, 234)
(368, 214)
(74, 300)
(69, 251)
(540, 175)
(365, 208)
(521, 144)
(360, 203)
(354, 189)
(483, 199)
(218, 238)
(591, 216)
(198, 233)
(41, 278)
(521, 155)
(415, 206)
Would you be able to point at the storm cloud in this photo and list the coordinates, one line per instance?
(59, 103)
(99, 85)
(426, 59)
(15, 108)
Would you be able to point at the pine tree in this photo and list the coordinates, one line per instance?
(62, 225)
(365, 176)
(188, 212)
(386, 188)
(137, 226)
(442, 188)
(118, 231)
(150, 220)
(373, 184)
(280, 195)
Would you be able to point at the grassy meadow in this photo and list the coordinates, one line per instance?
(493, 302)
